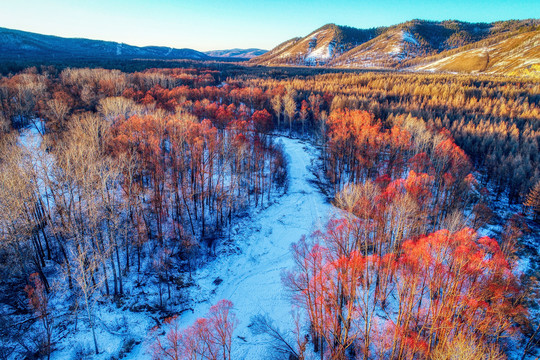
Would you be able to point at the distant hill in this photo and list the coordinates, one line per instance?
(241, 54)
(320, 47)
(22, 45)
(513, 47)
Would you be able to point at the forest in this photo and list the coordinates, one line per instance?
(119, 188)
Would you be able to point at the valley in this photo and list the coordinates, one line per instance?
(367, 192)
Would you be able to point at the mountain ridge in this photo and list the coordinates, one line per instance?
(236, 53)
(411, 42)
(23, 45)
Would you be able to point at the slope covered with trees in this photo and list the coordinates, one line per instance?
(401, 275)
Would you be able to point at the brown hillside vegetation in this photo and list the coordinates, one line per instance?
(518, 55)
(319, 47)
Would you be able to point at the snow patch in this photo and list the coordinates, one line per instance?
(408, 37)
(322, 53)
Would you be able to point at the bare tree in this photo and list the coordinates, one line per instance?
(289, 106)
(85, 263)
(277, 104)
(114, 107)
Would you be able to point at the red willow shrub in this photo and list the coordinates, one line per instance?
(209, 338)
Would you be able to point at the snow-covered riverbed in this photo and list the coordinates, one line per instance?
(252, 277)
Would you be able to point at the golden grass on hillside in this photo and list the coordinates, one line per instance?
(515, 56)
(468, 62)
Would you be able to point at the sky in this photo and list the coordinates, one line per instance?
(224, 24)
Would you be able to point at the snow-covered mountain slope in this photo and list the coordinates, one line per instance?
(383, 51)
(241, 54)
(15, 44)
(516, 56)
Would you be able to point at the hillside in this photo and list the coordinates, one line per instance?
(412, 43)
(241, 54)
(518, 55)
(411, 40)
(318, 48)
(22, 45)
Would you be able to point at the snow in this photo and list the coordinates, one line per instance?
(321, 53)
(436, 64)
(316, 35)
(530, 62)
(397, 49)
(408, 37)
(318, 53)
(252, 276)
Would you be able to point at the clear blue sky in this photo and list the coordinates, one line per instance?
(224, 24)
